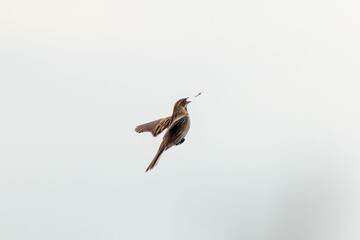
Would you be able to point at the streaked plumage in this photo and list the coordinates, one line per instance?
(177, 125)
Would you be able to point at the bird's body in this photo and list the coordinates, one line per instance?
(177, 125)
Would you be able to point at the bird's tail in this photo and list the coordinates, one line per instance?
(156, 158)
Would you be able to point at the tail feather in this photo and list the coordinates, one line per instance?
(156, 158)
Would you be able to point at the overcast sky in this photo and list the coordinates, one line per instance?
(273, 150)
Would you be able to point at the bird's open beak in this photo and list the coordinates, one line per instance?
(187, 101)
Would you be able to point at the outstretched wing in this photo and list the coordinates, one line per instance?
(155, 127)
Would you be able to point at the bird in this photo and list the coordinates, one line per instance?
(177, 125)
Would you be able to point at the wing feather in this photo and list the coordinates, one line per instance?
(177, 130)
(155, 127)
(178, 122)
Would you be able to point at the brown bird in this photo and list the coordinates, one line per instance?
(177, 125)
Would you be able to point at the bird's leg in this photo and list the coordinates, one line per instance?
(181, 141)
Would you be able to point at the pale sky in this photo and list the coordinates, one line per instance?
(273, 150)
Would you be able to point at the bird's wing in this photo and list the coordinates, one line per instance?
(178, 123)
(155, 127)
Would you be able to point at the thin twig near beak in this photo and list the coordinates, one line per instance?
(198, 94)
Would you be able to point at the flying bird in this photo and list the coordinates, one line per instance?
(177, 125)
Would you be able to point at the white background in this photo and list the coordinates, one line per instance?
(273, 150)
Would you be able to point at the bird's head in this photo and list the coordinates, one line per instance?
(181, 105)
